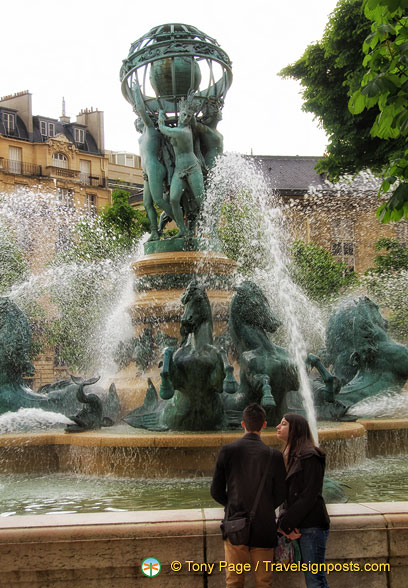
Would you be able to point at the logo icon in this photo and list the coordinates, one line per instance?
(151, 566)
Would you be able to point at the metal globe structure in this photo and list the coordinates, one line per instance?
(172, 61)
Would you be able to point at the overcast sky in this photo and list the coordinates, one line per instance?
(75, 49)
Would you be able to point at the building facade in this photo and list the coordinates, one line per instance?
(125, 173)
(341, 218)
(53, 155)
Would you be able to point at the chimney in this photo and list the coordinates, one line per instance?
(21, 101)
(93, 119)
(64, 118)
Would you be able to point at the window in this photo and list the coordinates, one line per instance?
(342, 241)
(47, 129)
(91, 203)
(65, 197)
(9, 121)
(127, 159)
(79, 135)
(15, 157)
(85, 171)
(60, 160)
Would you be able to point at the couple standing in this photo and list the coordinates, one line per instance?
(295, 478)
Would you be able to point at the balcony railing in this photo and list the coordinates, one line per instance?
(96, 181)
(21, 168)
(62, 172)
(84, 179)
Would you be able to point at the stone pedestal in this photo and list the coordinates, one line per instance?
(160, 282)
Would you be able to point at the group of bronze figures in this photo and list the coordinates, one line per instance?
(175, 161)
(198, 390)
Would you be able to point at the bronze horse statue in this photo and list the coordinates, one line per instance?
(267, 370)
(194, 375)
(364, 360)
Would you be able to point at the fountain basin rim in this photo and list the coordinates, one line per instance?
(383, 424)
(181, 261)
(59, 524)
(174, 440)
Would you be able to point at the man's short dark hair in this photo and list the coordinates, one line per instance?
(254, 417)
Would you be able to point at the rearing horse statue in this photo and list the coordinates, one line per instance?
(194, 375)
(267, 371)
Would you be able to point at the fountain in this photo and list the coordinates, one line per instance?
(176, 79)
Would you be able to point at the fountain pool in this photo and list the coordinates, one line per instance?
(122, 470)
(378, 479)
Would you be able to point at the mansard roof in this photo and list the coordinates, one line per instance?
(66, 129)
(19, 131)
(289, 174)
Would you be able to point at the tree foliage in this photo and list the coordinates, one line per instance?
(91, 277)
(330, 71)
(240, 233)
(318, 272)
(127, 222)
(387, 280)
(384, 90)
(394, 259)
(113, 232)
(13, 266)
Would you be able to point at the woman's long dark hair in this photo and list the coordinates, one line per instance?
(300, 437)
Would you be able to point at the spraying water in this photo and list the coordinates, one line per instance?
(31, 419)
(257, 221)
(388, 406)
(118, 326)
(75, 290)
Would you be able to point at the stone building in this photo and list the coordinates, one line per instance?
(341, 218)
(54, 155)
(125, 173)
(45, 155)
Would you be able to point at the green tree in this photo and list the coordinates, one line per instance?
(387, 281)
(329, 72)
(318, 272)
(240, 232)
(92, 272)
(126, 221)
(13, 266)
(384, 91)
(394, 259)
(113, 232)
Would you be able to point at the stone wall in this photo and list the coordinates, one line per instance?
(106, 550)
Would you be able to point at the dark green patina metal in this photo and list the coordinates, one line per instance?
(364, 359)
(91, 416)
(194, 378)
(179, 140)
(166, 43)
(267, 372)
(15, 345)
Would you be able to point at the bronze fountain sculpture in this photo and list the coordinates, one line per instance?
(178, 116)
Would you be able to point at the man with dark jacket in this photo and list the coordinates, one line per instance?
(237, 477)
